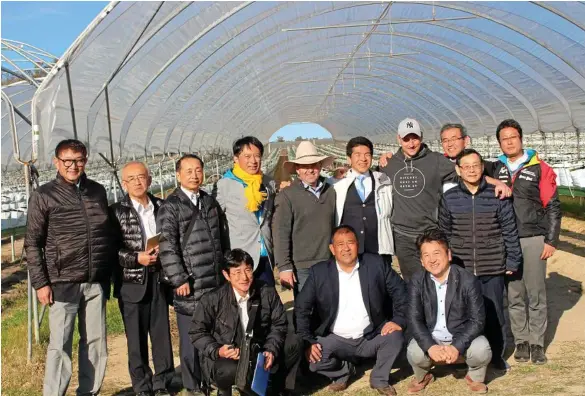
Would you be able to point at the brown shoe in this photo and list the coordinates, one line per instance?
(415, 386)
(387, 390)
(476, 387)
(338, 387)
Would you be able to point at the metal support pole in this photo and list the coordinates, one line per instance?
(13, 253)
(71, 100)
(160, 180)
(115, 186)
(29, 292)
(578, 133)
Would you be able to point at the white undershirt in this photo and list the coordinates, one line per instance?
(352, 316)
(514, 165)
(243, 308)
(146, 216)
(194, 197)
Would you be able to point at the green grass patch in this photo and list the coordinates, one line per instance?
(573, 207)
(20, 377)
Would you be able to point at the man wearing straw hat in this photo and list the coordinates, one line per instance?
(303, 217)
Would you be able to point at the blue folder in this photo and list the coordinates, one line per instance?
(261, 377)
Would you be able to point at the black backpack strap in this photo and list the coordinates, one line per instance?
(196, 214)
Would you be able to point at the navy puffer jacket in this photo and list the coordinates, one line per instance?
(481, 229)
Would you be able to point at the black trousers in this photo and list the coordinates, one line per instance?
(408, 255)
(190, 366)
(492, 287)
(224, 370)
(148, 317)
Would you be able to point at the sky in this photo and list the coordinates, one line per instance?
(54, 25)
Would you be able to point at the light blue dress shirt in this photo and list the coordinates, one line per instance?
(440, 332)
(316, 191)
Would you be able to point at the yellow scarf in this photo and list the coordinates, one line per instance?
(252, 189)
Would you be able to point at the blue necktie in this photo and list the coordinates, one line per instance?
(359, 186)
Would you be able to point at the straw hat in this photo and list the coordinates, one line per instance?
(307, 154)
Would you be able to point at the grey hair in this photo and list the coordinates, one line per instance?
(136, 163)
(458, 126)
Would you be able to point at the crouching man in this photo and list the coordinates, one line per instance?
(352, 308)
(446, 316)
(221, 320)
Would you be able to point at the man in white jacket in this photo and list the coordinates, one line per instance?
(364, 201)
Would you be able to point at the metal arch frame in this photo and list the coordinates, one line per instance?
(507, 86)
(170, 18)
(483, 15)
(544, 82)
(559, 13)
(475, 70)
(185, 48)
(167, 66)
(499, 84)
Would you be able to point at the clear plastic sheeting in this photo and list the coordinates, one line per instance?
(193, 76)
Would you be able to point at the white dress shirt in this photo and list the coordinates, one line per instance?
(352, 316)
(440, 332)
(243, 309)
(194, 197)
(146, 216)
(367, 181)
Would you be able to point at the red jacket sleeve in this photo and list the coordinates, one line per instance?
(547, 184)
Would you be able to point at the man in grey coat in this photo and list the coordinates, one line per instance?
(246, 197)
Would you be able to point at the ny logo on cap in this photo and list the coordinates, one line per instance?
(409, 125)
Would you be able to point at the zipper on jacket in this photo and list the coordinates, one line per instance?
(473, 231)
(88, 233)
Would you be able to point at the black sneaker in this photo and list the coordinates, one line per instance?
(500, 365)
(538, 356)
(522, 353)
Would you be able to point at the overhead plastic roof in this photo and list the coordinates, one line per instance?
(193, 76)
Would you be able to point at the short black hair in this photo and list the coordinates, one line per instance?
(358, 141)
(465, 153)
(432, 235)
(246, 141)
(510, 123)
(451, 126)
(345, 228)
(235, 257)
(185, 156)
(70, 144)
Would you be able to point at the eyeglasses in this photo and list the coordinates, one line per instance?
(452, 140)
(467, 168)
(134, 179)
(68, 162)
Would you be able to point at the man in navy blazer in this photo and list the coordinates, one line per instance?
(350, 308)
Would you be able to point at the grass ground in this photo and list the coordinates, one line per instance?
(20, 378)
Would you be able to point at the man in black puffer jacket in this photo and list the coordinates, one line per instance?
(141, 291)
(191, 255)
(68, 245)
(223, 316)
(483, 237)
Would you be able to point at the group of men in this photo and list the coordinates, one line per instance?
(332, 243)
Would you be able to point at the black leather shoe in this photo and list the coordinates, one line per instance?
(538, 356)
(162, 392)
(522, 353)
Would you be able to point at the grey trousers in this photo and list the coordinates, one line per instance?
(88, 303)
(477, 357)
(338, 352)
(529, 321)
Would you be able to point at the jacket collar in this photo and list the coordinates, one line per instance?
(184, 198)
(82, 181)
(482, 186)
(127, 201)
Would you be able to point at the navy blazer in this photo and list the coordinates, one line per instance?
(383, 290)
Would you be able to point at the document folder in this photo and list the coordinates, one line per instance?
(261, 377)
